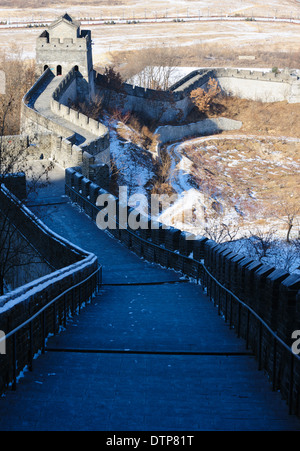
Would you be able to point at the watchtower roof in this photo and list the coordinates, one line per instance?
(67, 19)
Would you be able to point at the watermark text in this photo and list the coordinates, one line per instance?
(296, 344)
(134, 211)
(2, 343)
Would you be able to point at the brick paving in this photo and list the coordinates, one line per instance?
(149, 357)
(42, 105)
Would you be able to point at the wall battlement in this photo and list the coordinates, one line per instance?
(64, 45)
(64, 147)
(231, 72)
(75, 117)
(262, 85)
(175, 104)
(164, 106)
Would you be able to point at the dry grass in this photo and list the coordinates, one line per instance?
(169, 8)
(258, 118)
(34, 4)
(253, 176)
(93, 109)
(161, 182)
(208, 43)
(131, 128)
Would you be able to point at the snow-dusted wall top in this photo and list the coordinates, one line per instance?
(60, 253)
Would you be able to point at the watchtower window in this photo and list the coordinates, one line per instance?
(58, 70)
(45, 67)
(76, 68)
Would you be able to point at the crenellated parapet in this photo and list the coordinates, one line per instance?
(175, 104)
(260, 302)
(59, 105)
(73, 135)
(265, 86)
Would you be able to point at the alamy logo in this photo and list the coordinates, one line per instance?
(296, 344)
(139, 206)
(2, 342)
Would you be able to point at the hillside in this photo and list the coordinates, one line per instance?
(228, 186)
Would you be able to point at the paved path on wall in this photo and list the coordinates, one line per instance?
(149, 354)
(42, 105)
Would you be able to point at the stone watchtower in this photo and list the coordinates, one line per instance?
(64, 46)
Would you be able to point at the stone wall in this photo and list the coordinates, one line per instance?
(250, 84)
(169, 133)
(15, 144)
(92, 155)
(62, 147)
(28, 263)
(16, 183)
(59, 105)
(72, 265)
(36, 146)
(160, 105)
(268, 293)
(174, 105)
(151, 104)
(34, 123)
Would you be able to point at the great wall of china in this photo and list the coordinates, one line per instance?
(81, 146)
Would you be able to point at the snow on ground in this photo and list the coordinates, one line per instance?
(234, 34)
(175, 74)
(130, 164)
(187, 213)
(186, 210)
(280, 254)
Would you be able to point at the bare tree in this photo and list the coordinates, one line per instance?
(92, 109)
(287, 257)
(261, 242)
(287, 210)
(20, 76)
(153, 68)
(15, 251)
(296, 244)
(218, 229)
(163, 173)
(17, 256)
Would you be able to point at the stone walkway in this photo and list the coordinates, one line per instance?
(42, 105)
(149, 354)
